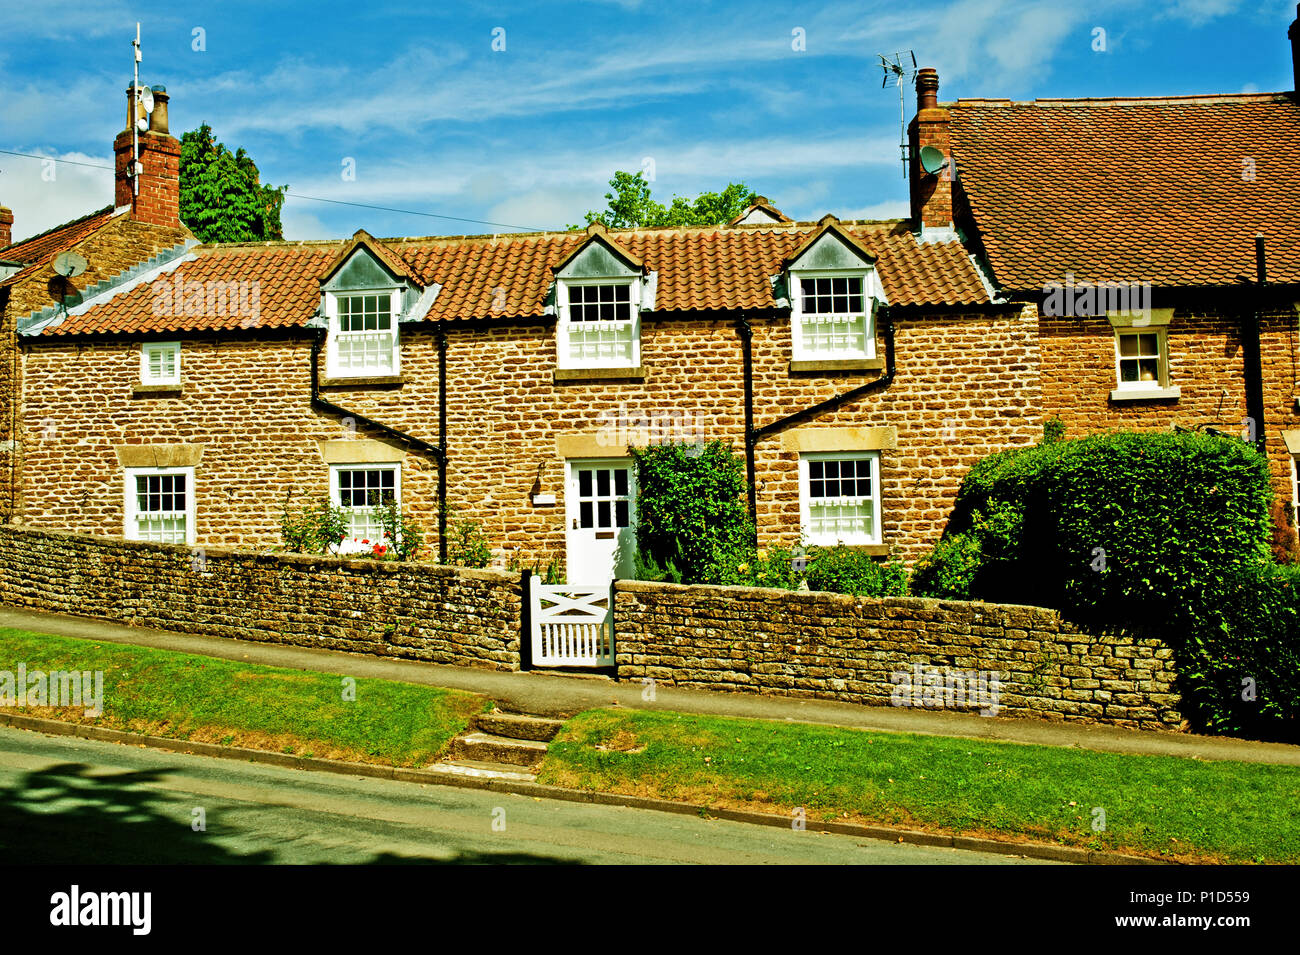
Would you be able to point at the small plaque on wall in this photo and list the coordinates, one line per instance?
(543, 500)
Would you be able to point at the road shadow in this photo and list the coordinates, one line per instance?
(65, 815)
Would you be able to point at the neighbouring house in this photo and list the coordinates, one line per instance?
(187, 393)
(1086, 209)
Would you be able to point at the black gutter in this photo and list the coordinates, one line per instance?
(884, 381)
(747, 351)
(442, 444)
(320, 404)
(1250, 357)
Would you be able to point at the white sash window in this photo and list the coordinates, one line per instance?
(599, 324)
(363, 334)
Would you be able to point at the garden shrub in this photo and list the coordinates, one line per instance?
(1164, 535)
(691, 514)
(844, 570)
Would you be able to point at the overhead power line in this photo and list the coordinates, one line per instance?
(295, 195)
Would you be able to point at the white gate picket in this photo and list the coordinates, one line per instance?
(572, 624)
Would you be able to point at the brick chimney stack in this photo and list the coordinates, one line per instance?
(931, 193)
(6, 227)
(1293, 34)
(157, 200)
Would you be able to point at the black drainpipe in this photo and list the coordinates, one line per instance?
(1252, 370)
(747, 351)
(884, 381)
(442, 444)
(320, 404)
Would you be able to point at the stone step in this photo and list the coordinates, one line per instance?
(518, 726)
(480, 769)
(497, 749)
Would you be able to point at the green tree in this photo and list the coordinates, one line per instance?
(632, 206)
(222, 198)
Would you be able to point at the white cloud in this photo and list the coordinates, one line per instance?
(40, 202)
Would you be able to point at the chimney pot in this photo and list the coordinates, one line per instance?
(158, 118)
(6, 227)
(927, 88)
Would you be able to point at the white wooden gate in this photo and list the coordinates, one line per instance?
(572, 624)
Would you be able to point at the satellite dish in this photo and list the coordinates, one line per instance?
(142, 124)
(932, 159)
(69, 264)
(146, 98)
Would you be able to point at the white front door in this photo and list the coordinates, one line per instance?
(600, 517)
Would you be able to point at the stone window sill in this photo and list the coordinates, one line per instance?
(377, 381)
(836, 365)
(1145, 394)
(156, 391)
(600, 374)
(871, 550)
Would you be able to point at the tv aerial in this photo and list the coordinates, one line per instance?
(141, 106)
(899, 67)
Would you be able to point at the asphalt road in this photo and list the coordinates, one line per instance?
(80, 801)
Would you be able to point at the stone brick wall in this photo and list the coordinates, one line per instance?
(823, 646)
(420, 611)
(118, 245)
(836, 647)
(246, 400)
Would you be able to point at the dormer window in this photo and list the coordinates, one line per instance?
(363, 333)
(598, 301)
(365, 293)
(599, 325)
(832, 293)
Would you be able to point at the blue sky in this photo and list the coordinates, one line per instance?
(703, 93)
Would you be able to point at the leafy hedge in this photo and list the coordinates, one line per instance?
(1163, 534)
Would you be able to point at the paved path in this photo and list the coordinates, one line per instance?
(79, 801)
(549, 693)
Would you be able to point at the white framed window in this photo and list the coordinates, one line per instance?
(839, 497)
(360, 489)
(363, 338)
(1142, 355)
(833, 315)
(160, 363)
(599, 324)
(159, 505)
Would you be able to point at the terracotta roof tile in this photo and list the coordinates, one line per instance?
(1170, 191)
(38, 250)
(509, 276)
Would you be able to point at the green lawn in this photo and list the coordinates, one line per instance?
(204, 699)
(1154, 805)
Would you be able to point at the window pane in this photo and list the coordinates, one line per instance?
(1128, 346)
(621, 513)
(602, 483)
(585, 514)
(602, 511)
(584, 484)
(620, 481)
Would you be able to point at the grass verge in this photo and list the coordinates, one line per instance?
(1171, 807)
(210, 700)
